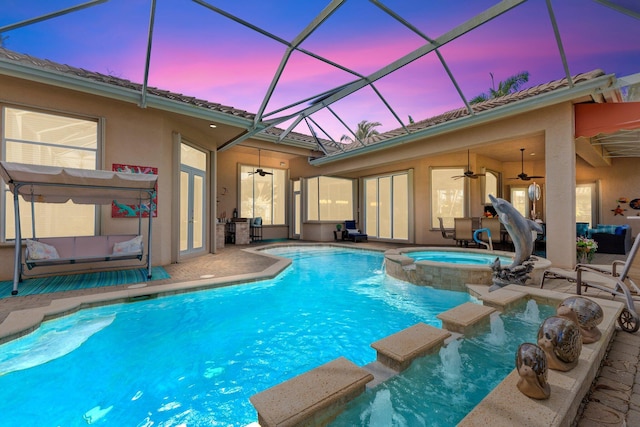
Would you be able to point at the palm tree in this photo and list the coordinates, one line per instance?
(365, 131)
(510, 85)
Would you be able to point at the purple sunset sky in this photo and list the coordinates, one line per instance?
(200, 53)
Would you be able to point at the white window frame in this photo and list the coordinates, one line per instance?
(318, 180)
(448, 171)
(244, 169)
(5, 194)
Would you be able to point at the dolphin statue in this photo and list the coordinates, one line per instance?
(518, 227)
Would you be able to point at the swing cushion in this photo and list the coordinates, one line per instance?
(72, 250)
(130, 246)
(39, 250)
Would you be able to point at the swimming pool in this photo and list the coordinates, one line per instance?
(195, 359)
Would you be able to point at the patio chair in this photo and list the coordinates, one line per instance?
(255, 229)
(606, 279)
(351, 232)
(463, 231)
(493, 224)
(447, 234)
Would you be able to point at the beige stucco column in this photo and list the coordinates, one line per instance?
(560, 178)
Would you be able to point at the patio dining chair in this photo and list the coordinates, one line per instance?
(463, 231)
(447, 234)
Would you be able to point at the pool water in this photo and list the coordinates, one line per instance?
(458, 257)
(442, 388)
(195, 359)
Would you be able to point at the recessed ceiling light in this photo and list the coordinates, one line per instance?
(533, 154)
(212, 126)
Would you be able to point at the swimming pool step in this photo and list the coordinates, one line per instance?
(397, 351)
(313, 398)
(466, 318)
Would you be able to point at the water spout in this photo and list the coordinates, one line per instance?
(497, 335)
(381, 410)
(451, 361)
(532, 312)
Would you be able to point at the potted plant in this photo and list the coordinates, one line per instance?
(339, 227)
(585, 249)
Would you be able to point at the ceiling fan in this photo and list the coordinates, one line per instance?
(468, 173)
(260, 171)
(523, 176)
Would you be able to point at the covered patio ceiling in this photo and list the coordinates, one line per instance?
(443, 56)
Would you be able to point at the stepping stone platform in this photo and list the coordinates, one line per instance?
(397, 351)
(465, 318)
(313, 398)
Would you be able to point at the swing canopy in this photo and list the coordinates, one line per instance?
(51, 184)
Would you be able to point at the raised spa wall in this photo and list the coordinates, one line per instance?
(443, 275)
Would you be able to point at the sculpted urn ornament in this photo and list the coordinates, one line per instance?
(561, 341)
(531, 363)
(587, 314)
(520, 230)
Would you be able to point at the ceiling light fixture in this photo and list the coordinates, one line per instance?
(212, 126)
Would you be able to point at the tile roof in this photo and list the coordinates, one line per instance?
(294, 137)
(46, 64)
(478, 108)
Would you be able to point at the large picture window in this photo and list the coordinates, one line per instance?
(263, 195)
(447, 196)
(48, 139)
(329, 199)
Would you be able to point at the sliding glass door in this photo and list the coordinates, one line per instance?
(387, 206)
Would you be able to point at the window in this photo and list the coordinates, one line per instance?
(386, 201)
(447, 196)
(586, 203)
(53, 140)
(491, 185)
(329, 199)
(520, 200)
(263, 195)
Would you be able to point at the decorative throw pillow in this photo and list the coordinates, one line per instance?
(39, 250)
(607, 228)
(130, 246)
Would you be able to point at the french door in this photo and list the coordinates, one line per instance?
(192, 201)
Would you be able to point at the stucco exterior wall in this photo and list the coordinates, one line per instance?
(132, 135)
(616, 181)
(145, 136)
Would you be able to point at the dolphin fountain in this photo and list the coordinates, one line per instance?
(520, 229)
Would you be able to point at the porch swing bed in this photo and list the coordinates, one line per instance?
(49, 184)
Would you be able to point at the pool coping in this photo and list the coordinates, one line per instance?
(505, 406)
(493, 408)
(25, 321)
